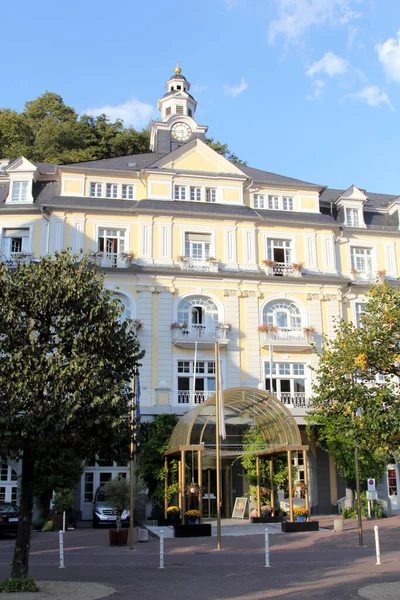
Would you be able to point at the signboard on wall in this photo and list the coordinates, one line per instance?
(240, 508)
(371, 485)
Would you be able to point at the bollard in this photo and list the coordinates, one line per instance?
(61, 541)
(266, 548)
(64, 521)
(161, 549)
(369, 509)
(377, 547)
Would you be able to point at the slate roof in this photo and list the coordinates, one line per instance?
(259, 176)
(376, 200)
(121, 163)
(46, 168)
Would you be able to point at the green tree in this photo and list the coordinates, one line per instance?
(346, 385)
(224, 150)
(155, 440)
(65, 373)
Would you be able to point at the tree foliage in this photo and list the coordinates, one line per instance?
(65, 373)
(156, 435)
(347, 384)
(48, 130)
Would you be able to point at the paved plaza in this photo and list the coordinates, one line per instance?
(320, 565)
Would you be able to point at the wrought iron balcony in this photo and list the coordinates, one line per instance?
(186, 397)
(286, 337)
(188, 263)
(12, 259)
(292, 399)
(112, 260)
(285, 269)
(186, 337)
(368, 277)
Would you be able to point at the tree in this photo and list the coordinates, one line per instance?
(347, 385)
(65, 373)
(48, 130)
(156, 435)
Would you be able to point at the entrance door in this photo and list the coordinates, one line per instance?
(393, 486)
(94, 477)
(8, 483)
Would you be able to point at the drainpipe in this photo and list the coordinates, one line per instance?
(46, 217)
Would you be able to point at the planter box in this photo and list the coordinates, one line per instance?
(118, 538)
(199, 530)
(58, 521)
(288, 527)
(169, 522)
(266, 519)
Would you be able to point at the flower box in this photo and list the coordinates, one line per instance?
(169, 521)
(266, 519)
(288, 527)
(199, 530)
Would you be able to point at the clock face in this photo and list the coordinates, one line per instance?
(181, 132)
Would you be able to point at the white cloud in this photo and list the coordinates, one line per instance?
(319, 89)
(330, 64)
(231, 3)
(297, 16)
(132, 112)
(372, 96)
(235, 90)
(389, 55)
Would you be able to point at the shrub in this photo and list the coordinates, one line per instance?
(63, 500)
(349, 513)
(11, 585)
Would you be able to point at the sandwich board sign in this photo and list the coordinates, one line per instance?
(371, 485)
(240, 508)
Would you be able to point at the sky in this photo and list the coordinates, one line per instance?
(305, 88)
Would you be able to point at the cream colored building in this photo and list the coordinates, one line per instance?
(190, 238)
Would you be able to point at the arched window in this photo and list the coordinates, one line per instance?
(127, 312)
(282, 314)
(198, 312)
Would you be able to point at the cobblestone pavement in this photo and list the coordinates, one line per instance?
(308, 566)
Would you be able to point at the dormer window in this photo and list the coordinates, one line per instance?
(273, 202)
(259, 201)
(352, 217)
(180, 192)
(195, 194)
(112, 190)
(19, 191)
(211, 194)
(96, 190)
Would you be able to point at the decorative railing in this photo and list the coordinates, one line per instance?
(199, 332)
(368, 276)
(284, 334)
(294, 399)
(112, 260)
(14, 258)
(194, 264)
(185, 397)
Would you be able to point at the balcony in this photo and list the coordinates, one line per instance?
(282, 269)
(193, 398)
(113, 260)
(194, 264)
(12, 259)
(367, 277)
(296, 402)
(286, 338)
(186, 337)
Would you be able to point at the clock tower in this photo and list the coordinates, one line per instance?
(177, 125)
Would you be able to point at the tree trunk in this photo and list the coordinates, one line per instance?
(20, 563)
(118, 523)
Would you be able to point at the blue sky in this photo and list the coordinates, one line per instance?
(304, 88)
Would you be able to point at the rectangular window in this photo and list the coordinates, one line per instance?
(128, 192)
(190, 112)
(361, 260)
(392, 481)
(259, 201)
(179, 110)
(352, 217)
(19, 191)
(288, 203)
(88, 487)
(180, 192)
(96, 189)
(15, 241)
(112, 190)
(280, 251)
(2, 494)
(359, 309)
(195, 194)
(197, 245)
(204, 381)
(168, 110)
(287, 381)
(111, 242)
(211, 195)
(273, 202)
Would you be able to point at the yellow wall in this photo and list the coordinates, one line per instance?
(72, 186)
(231, 195)
(310, 204)
(162, 190)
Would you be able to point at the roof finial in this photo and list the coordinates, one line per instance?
(177, 69)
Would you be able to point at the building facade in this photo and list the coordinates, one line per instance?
(201, 249)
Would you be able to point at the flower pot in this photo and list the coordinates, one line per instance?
(301, 519)
(58, 521)
(118, 538)
(192, 521)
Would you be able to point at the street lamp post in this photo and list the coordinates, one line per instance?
(360, 529)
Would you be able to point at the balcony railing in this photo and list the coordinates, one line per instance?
(185, 397)
(14, 258)
(193, 264)
(199, 332)
(112, 260)
(367, 276)
(285, 334)
(293, 399)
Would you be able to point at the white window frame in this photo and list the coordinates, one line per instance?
(195, 193)
(112, 190)
(23, 191)
(180, 192)
(97, 187)
(274, 202)
(259, 201)
(210, 194)
(277, 375)
(364, 255)
(352, 217)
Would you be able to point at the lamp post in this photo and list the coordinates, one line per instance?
(358, 413)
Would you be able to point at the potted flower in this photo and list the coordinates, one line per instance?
(173, 513)
(300, 513)
(193, 490)
(128, 256)
(192, 516)
(138, 324)
(63, 501)
(298, 269)
(224, 326)
(212, 259)
(354, 272)
(182, 258)
(117, 495)
(381, 275)
(309, 331)
(178, 326)
(267, 328)
(266, 510)
(269, 266)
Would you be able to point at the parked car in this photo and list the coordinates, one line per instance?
(8, 517)
(104, 515)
